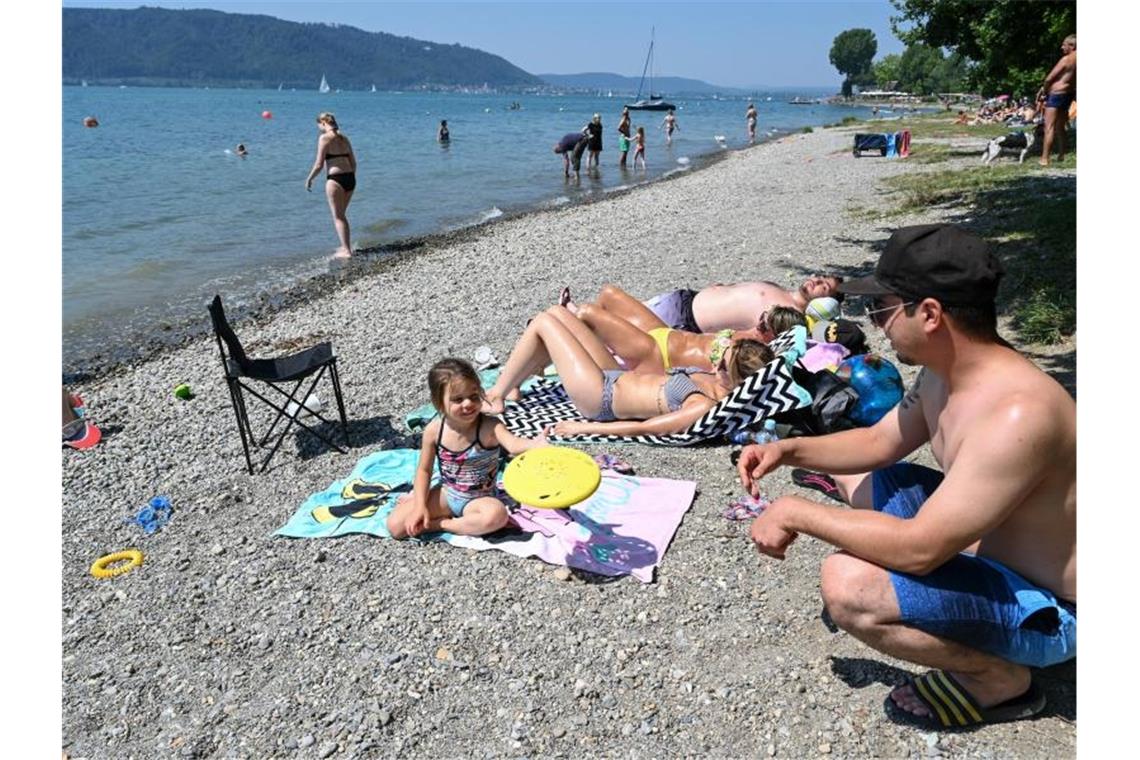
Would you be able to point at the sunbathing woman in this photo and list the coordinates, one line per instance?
(646, 344)
(619, 402)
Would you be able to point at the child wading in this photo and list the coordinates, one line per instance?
(468, 446)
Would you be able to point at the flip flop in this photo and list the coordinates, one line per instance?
(610, 462)
(952, 707)
(564, 296)
(817, 481)
(745, 508)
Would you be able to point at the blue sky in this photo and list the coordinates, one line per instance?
(732, 44)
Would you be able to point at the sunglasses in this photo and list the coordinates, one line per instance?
(878, 311)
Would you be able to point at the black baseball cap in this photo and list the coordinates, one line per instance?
(938, 261)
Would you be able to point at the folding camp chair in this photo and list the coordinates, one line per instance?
(276, 374)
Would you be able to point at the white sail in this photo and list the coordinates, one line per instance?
(324, 84)
(373, 88)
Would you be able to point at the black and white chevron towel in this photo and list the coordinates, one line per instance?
(769, 391)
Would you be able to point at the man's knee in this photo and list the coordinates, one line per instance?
(857, 593)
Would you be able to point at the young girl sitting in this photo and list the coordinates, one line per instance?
(616, 401)
(639, 147)
(468, 446)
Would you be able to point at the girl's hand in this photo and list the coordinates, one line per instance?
(418, 520)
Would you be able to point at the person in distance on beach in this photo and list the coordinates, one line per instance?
(593, 130)
(971, 571)
(1057, 92)
(720, 307)
(639, 147)
(617, 401)
(623, 136)
(467, 446)
(334, 151)
(750, 117)
(669, 123)
(571, 147)
(444, 134)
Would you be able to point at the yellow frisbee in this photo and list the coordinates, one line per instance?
(552, 477)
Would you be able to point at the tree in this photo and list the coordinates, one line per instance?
(886, 71)
(918, 69)
(851, 54)
(1011, 44)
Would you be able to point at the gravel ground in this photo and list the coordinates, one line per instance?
(229, 642)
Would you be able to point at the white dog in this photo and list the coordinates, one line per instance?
(1015, 142)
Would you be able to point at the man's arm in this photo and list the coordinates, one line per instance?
(1001, 460)
(897, 434)
(1058, 69)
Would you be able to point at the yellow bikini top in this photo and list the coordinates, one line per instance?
(721, 341)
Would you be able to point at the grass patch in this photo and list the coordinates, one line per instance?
(807, 130)
(1030, 218)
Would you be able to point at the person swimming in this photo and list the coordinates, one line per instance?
(443, 135)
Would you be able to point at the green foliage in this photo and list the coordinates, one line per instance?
(1031, 220)
(851, 54)
(923, 70)
(197, 47)
(807, 130)
(886, 70)
(1011, 44)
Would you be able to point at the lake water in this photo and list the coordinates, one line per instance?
(159, 214)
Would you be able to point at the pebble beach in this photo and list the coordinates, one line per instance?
(231, 642)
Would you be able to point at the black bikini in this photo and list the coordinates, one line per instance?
(347, 180)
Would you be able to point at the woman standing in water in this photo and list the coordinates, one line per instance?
(334, 151)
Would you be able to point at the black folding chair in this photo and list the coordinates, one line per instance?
(277, 374)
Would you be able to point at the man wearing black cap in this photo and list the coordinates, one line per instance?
(970, 571)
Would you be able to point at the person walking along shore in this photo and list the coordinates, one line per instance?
(334, 151)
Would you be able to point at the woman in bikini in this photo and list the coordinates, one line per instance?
(616, 401)
(648, 345)
(334, 151)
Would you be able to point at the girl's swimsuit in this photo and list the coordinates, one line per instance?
(469, 474)
(676, 389)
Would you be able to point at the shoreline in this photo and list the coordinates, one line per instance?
(163, 337)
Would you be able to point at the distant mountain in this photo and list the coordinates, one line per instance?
(618, 83)
(198, 47)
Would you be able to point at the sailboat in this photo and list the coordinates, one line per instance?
(373, 88)
(324, 84)
(83, 82)
(654, 102)
(280, 87)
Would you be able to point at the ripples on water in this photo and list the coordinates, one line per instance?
(159, 213)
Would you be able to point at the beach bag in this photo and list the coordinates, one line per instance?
(831, 399)
(876, 141)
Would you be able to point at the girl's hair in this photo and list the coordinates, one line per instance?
(325, 117)
(781, 318)
(747, 356)
(443, 373)
(641, 131)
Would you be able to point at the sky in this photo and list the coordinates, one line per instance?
(749, 45)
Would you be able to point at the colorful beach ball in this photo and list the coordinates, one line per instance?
(878, 383)
(267, 114)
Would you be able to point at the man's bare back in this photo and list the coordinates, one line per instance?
(1037, 538)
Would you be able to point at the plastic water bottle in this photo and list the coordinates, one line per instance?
(765, 435)
(312, 406)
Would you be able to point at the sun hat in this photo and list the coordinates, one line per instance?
(938, 261)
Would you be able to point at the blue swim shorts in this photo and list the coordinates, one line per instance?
(458, 501)
(972, 600)
(675, 309)
(1060, 100)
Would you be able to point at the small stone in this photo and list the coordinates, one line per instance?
(562, 574)
(384, 717)
(327, 749)
(626, 729)
(558, 732)
(771, 750)
(306, 741)
(443, 653)
(824, 749)
(321, 556)
(217, 550)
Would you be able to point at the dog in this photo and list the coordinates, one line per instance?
(1015, 142)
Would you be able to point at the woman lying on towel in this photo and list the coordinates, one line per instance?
(646, 344)
(617, 401)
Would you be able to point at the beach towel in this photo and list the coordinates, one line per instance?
(767, 392)
(624, 528)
